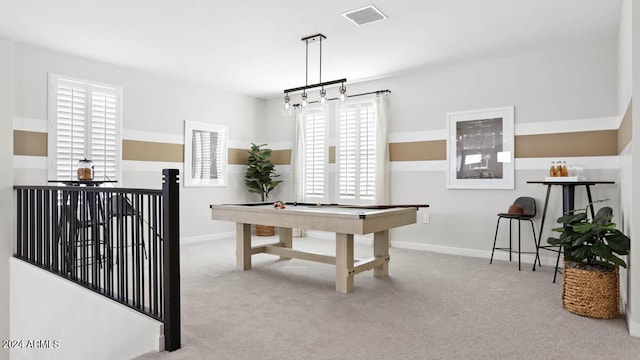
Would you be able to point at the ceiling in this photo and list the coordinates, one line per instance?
(254, 47)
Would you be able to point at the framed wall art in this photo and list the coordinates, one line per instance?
(480, 149)
(205, 154)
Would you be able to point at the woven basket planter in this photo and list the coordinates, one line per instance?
(265, 230)
(591, 293)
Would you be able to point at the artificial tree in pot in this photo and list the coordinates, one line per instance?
(592, 250)
(259, 177)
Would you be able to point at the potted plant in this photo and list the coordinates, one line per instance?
(591, 255)
(259, 179)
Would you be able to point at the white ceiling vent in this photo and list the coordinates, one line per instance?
(365, 15)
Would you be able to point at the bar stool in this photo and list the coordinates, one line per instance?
(523, 209)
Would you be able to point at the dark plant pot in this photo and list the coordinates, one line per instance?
(265, 230)
(592, 292)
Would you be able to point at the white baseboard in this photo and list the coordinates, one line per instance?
(325, 235)
(208, 237)
(545, 259)
(634, 327)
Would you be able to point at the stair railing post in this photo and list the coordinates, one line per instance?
(171, 258)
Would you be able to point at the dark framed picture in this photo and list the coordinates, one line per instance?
(480, 149)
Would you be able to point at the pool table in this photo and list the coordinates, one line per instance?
(346, 221)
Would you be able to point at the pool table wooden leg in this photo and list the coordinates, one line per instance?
(344, 263)
(243, 246)
(286, 239)
(381, 249)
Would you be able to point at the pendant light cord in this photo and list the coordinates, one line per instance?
(306, 64)
(321, 61)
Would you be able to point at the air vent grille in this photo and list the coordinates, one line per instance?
(365, 15)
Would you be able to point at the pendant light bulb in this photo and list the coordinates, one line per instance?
(304, 101)
(323, 96)
(287, 102)
(343, 94)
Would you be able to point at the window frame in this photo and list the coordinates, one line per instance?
(332, 176)
(191, 127)
(52, 124)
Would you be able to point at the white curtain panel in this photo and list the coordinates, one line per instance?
(297, 162)
(382, 161)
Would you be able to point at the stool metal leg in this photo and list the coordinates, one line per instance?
(557, 263)
(510, 249)
(494, 241)
(536, 245)
(544, 216)
(519, 244)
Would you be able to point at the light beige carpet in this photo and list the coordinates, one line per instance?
(432, 306)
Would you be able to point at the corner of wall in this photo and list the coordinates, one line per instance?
(6, 183)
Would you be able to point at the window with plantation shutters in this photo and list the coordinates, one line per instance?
(84, 123)
(314, 154)
(206, 146)
(356, 151)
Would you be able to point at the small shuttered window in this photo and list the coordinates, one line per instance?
(206, 149)
(84, 123)
(356, 151)
(315, 163)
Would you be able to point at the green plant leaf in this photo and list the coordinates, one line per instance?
(572, 218)
(618, 242)
(602, 250)
(584, 227)
(616, 260)
(580, 253)
(554, 241)
(580, 239)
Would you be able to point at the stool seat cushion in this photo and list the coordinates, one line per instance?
(516, 210)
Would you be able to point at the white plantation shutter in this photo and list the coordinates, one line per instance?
(104, 124)
(84, 124)
(314, 154)
(359, 144)
(367, 152)
(70, 127)
(346, 154)
(357, 152)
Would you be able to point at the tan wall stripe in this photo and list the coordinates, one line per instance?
(584, 143)
(240, 157)
(281, 157)
(152, 151)
(332, 154)
(29, 143)
(237, 156)
(418, 151)
(625, 130)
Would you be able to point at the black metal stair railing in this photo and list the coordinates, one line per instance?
(121, 243)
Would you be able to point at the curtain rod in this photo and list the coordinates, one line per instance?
(377, 92)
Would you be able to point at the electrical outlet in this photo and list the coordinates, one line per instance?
(426, 218)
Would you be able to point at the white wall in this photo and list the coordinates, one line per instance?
(6, 182)
(633, 298)
(546, 88)
(556, 84)
(154, 109)
(87, 325)
(624, 57)
(624, 98)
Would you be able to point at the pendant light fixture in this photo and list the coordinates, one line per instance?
(323, 93)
